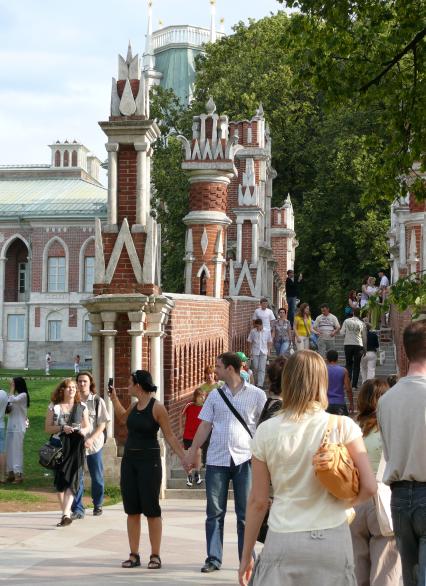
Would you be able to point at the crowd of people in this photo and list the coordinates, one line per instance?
(258, 424)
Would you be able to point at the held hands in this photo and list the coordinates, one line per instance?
(189, 461)
(67, 429)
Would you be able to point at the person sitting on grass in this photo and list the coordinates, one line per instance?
(190, 415)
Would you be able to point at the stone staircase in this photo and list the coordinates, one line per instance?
(176, 483)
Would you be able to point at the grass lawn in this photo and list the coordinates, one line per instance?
(36, 478)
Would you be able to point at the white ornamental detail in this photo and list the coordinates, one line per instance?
(204, 241)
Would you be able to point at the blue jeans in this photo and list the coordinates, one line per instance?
(408, 503)
(96, 470)
(281, 347)
(217, 485)
(291, 302)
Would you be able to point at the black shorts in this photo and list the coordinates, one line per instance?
(140, 485)
(187, 443)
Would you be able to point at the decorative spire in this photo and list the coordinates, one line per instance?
(129, 53)
(210, 106)
(222, 25)
(212, 21)
(149, 61)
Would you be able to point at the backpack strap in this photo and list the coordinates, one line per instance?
(97, 402)
(235, 412)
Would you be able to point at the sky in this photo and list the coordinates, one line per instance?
(57, 59)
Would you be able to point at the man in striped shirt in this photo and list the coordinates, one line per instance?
(229, 453)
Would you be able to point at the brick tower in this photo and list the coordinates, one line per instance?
(209, 162)
(128, 311)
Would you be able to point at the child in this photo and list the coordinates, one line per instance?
(190, 413)
(245, 372)
(260, 342)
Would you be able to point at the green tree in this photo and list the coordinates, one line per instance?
(370, 53)
(170, 195)
(324, 159)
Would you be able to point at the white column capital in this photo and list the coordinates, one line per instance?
(141, 146)
(112, 147)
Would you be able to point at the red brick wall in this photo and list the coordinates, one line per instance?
(399, 321)
(126, 184)
(197, 331)
(240, 323)
(208, 196)
(37, 317)
(72, 317)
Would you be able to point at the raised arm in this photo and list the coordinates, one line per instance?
(120, 412)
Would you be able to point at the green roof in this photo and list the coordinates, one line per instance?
(47, 197)
(178, 68)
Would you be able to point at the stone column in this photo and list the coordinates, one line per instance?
(2, 277)
(148, 180)
(141, 185)
(112, 148)
(109, 333)
(96, 322)
(254, 241)
(402, 246)
(136, 332)
(239, 258)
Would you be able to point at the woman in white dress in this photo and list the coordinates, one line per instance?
(308, 540)
(19, 400)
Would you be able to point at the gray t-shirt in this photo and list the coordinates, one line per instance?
(401, 414)
(326, 325)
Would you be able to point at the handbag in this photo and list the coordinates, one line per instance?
(50, 455)
(382, 500)
(334, 466)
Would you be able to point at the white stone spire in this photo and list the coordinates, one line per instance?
(148, 60)
(222, 25)
(212, 21)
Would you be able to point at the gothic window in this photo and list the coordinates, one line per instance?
(203, 283)
(87, 336)
(66, 159)
(89, 273)
(57, 159)
(56, 274)
(74, 159)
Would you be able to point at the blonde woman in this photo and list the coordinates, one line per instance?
(302, 327)
(377, 561)
(309, 540)
(67, 420)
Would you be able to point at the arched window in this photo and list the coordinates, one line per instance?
(203, 283)
(74, 159)
(57, 159)
(89, 273)
(66, 159)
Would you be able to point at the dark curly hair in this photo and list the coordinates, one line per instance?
(143, 378)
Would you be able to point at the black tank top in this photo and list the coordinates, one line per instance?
(142, 432)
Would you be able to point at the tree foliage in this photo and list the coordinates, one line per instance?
(370, 53)
(324, 158)
(170, 197)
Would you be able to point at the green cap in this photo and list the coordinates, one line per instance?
(242, 356)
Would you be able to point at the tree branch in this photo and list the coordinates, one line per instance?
(419, 36)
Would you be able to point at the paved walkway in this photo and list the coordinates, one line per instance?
(34, 551)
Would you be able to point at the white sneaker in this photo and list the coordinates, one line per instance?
(189, 480)
(198, 479)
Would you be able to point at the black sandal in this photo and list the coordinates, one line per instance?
(132, 563)
(154, 562)
(64, 521)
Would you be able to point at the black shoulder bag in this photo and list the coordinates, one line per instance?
(264, 527)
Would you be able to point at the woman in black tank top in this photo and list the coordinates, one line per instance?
(141, 471)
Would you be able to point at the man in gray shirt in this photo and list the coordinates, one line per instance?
(402, 419)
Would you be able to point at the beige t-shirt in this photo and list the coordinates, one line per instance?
(287, 447)
(373, 443)
(401, 415)
(103, 417)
